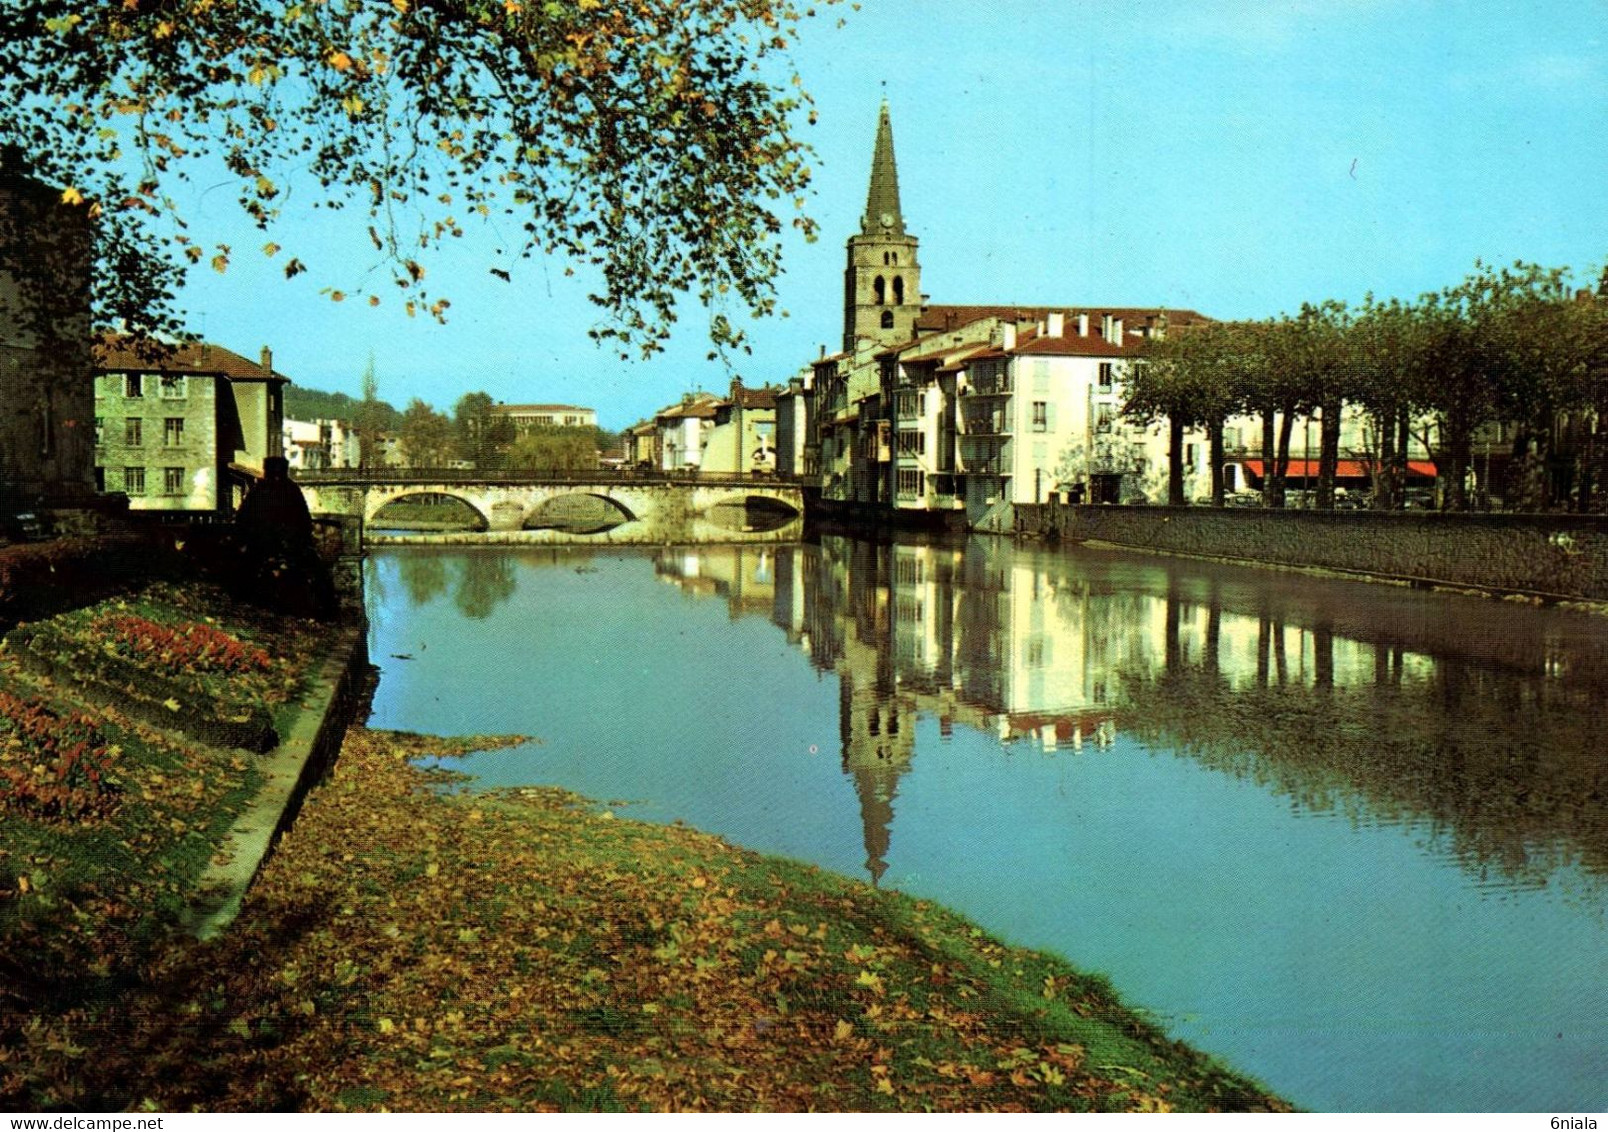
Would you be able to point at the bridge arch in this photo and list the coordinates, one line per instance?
(378, 498)
(751, 511)
(579, 512)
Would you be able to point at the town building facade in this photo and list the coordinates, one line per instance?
(46, 402)
(526, 417)
(953, 415)
(743, 441)
(183, 428)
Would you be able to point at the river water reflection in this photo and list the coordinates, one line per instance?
(1352, 838)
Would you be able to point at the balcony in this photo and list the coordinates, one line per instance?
(985, 424)
(999, 388)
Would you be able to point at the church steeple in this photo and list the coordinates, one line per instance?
(882, 215)
(882, 281)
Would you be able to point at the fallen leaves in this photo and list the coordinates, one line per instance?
(414, 949)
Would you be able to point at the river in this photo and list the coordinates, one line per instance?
(1352, 838)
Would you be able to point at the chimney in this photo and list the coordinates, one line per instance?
(1008, 339)
(267, 359)
(1083, 324)
(1116, 332)
(1057, 325)
(1105, 327)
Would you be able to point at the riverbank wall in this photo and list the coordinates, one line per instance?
(1551, 557)
(337, 691)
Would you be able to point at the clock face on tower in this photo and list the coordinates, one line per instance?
(887, 219)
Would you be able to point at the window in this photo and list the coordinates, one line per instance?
(879, 291)
(171, 386)
(1041, 416)
(1041, 373)
(887, 320)
(132, 385)
(1105, 375)
(898, 291)
(100, 431)
(172, 481)
(133, 432)
(911, 482)
(173, 431)
(1103, 416)
(912, 442)
(100, 478)
(134, 481)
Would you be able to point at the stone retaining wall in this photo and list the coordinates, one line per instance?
(1554, 556)
(334, 700)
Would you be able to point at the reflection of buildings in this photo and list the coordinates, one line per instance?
(1325, 690)
(744, 576)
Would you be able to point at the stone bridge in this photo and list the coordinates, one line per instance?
(530, 507)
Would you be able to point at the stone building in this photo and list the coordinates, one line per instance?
(46, 253)
(183, 428)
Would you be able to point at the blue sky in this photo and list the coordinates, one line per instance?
(1234, 157)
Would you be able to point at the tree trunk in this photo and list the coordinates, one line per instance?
(1530, 478)
(1175, 460)
(1269, 451)
(1214, 433)
(1455, 440)
(1586, 473)
(1286, 426)
(1404, 444)
(1328, 454)
(1384, 496)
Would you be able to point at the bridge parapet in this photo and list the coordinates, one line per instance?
(326, 476)
(653, 509)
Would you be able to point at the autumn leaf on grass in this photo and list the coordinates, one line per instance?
(870, 979)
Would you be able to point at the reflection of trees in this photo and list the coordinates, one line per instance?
(1508, 768)
(486, 582)
(424, 576)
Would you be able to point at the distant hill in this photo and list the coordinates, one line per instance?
(303, 404)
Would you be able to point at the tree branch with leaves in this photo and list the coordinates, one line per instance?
(651, 141)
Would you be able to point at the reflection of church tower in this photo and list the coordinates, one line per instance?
(882, 283)
(877, 747)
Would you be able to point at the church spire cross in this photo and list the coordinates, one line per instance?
(882, 214)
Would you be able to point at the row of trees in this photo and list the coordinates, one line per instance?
(1514, 354)
(476, 435)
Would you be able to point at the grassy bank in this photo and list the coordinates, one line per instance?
(413, 948)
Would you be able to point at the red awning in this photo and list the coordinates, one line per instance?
(1343, 469)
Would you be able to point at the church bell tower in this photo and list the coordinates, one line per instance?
(882, 282)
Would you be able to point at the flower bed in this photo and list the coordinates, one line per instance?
(54, 765)
(106, 825)
(178, 658)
